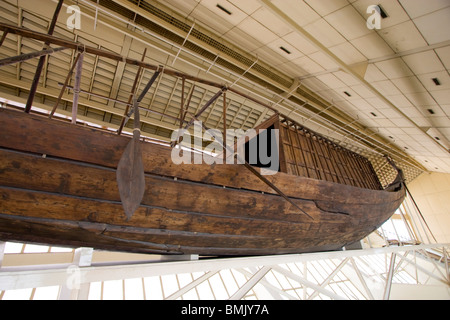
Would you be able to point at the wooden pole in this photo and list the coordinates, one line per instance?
(114, 56)
(40, 66)
(133, 91)
(65, 85)
(206, 106)
(224, 124)
(141, 96)
(196, 116)
(28, 56)
(182, 101)
(3, 38)
(130, 171)
(187, 105)
(76, 89)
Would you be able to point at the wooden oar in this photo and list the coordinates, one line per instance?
(130, 171)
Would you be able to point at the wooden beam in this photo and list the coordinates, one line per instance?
(188, 104)
(5, 33)
(76, 89)
(224, 123)
(42, 59)
(133, 91)
(199, 113)
(142, 95)
(66, 82)
(183, 83)
(28, 56)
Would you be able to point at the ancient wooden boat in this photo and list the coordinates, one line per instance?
(58, 186)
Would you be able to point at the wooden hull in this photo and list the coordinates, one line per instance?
(58, 186)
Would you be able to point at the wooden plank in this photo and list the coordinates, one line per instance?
(116, 239)
(56, 138)
(100, 215)
(154, 224)
(71, 178)
(35, 204)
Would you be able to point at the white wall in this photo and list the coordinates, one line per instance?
(431, 191)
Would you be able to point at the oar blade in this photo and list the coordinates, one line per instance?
(130, 178)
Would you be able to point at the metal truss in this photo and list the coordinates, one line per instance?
(342, 275)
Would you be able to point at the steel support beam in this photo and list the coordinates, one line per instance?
(10, 280)
(257, 277)
(191, 285)
(308, 283)
(387, 288)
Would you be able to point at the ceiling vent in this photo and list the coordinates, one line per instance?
(285, 50)
(436, 81)
(382, 12)
(224, 10)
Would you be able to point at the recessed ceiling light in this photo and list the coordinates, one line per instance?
(285, 50)
(374, 114)
(224, 10)
(348, 94)
(436, 81)
(382, 12)
(431, 111)
(437, 138)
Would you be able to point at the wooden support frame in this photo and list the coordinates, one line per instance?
(40, 66)
(133, 91)
(28, 56)
(3, 38)
(139, 99)
(309, 155)
(66, 82)
(318, 168)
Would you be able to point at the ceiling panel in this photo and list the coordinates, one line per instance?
(300, 11)
(416, 8)
(348, 53)
(354, 26)
(396, 39)
(326, 7)
(324, 33)
(394, 68)
(372, 46)
(427, 26)
(424, 62)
